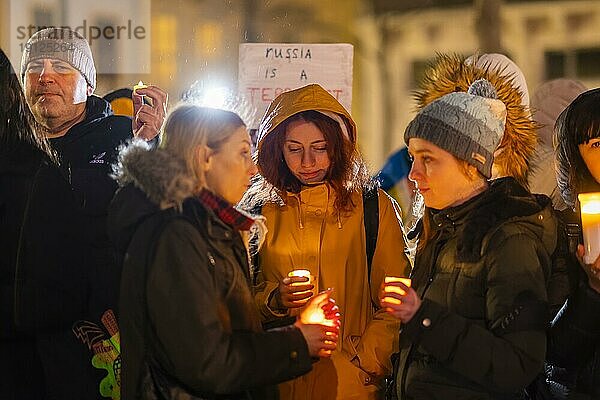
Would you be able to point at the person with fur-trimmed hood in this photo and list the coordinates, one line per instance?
(312, 193)
(474, 317)
(454, 73)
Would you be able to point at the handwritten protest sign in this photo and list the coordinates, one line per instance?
(268, 69)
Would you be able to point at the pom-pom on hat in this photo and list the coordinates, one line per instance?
(468, 125)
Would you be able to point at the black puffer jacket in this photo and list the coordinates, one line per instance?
(43, 282)
(480, 332)
(87, 152)
(200, 323)
(574, 337)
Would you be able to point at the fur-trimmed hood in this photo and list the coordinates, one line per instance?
(164, 178)
(451, 73)
(149, 180)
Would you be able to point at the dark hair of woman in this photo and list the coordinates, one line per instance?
(347, 173)
(577, 124)
(17, 124)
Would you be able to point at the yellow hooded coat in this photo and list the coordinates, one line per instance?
(305, 231)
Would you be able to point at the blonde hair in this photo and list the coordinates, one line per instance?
(189, 127)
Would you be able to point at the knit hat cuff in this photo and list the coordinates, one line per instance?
(451, 140)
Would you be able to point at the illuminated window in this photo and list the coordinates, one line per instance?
(209, 40)
(164, 46)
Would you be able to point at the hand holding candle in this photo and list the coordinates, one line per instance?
(296, 289)
(149, 110)
(320, 322)
(399, 298)
(141, 85)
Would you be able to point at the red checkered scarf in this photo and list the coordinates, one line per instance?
(225, 211)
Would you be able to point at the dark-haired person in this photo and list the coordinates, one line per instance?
(474, 319)
(311, 193)
(574, 340)
(187, 313)
(43, 286)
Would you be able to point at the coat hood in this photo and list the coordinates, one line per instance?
(311, 97)
(452, 73)
(548, 101)
(149, 180)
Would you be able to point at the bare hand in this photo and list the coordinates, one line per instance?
(148, 118)
(321, 339)
(294, 292)
(401, 306)
(592, 270)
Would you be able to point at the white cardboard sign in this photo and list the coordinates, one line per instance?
(268, 69)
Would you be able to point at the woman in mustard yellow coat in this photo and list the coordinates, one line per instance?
(311, 193)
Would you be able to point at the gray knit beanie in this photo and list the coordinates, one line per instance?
(467, 125)
(61, 44)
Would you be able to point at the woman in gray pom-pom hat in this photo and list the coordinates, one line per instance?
(474, 317)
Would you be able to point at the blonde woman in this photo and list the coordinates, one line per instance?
(189, 326)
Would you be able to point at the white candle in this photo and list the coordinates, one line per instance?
(395, 289)
(301, 273)
(590, 221)
(141, 85)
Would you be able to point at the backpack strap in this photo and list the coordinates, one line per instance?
(371, 222)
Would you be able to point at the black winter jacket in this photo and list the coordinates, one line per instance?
(197, 320)
(87, 152)
(574, 337)
(480, 331)
(43, 282)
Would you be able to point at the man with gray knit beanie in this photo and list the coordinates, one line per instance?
(59, 78)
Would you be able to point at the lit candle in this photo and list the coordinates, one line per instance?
(316, 317)
(300, 273)
(590, 221)
(395, 289)
(141, 85)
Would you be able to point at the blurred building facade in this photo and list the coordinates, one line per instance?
(547, 39)
(197, 40)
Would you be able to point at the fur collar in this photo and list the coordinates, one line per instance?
(164, 178)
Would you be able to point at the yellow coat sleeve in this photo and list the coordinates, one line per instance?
(380, 339)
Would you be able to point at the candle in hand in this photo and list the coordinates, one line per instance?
(300, 273)
(141, 85)
(590, 221)
(395, 289)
